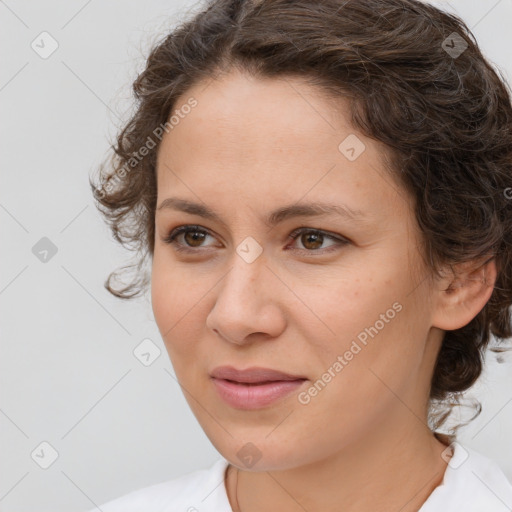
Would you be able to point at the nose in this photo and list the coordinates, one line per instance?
(247, 306)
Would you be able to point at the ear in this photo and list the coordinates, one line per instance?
(463, 293)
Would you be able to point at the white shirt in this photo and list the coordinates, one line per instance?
(471, 483)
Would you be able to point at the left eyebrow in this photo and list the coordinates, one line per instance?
(274, 217)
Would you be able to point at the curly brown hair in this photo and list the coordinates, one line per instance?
(417, 81)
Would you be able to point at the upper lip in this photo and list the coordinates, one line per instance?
(251, 375)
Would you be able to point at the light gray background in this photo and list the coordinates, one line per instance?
(68, 375)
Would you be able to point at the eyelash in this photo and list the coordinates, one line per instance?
(171, 239)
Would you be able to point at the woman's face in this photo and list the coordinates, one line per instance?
(346, 304)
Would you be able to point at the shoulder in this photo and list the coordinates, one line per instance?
(203, 490)
(472, 482)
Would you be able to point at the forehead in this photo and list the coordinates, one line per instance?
(277, 111)
(249, 136)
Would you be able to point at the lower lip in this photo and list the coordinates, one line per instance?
(256, 396)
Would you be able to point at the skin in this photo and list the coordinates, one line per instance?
(252, 145)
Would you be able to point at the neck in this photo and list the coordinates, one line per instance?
(397, 472)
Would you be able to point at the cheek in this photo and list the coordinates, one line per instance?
(345, 307)
(163, 298)
(174, 304)
(173, 292)
(370, 318)
(368, 354)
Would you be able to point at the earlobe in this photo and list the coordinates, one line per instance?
(463, 293)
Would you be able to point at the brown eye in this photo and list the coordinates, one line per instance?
(194, 238)
(313, 239)
(190, 239)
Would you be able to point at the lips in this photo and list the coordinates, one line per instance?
(254, 388)
(254, 375)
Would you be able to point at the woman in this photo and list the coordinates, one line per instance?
(322, 188)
